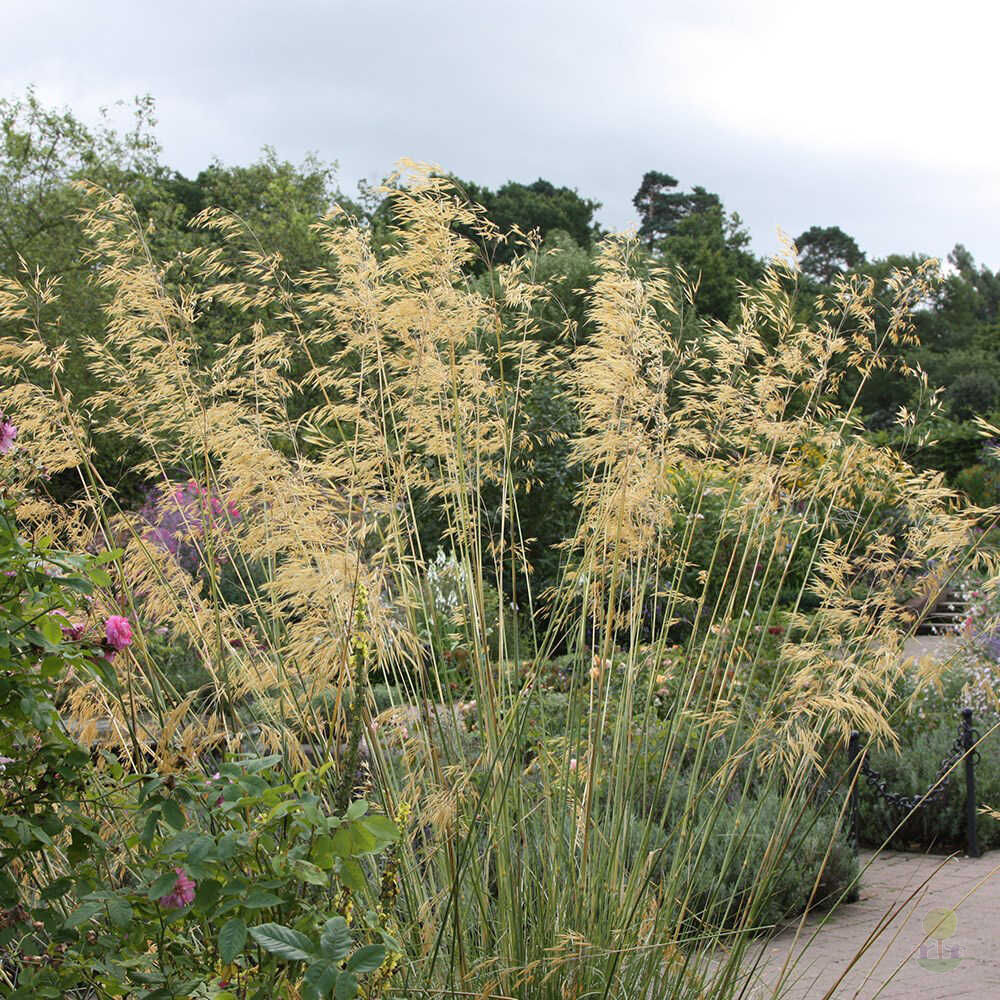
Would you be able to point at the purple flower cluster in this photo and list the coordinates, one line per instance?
(8, 431)
(178, 517)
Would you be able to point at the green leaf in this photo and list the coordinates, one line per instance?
(350, 841)
(304, 871)
(232, 939)
(319, 980)
(172, 813)
(324, 852)
(120, 912)
(382, 828)
(347, 987)
(366, 959)
(207, 893)
(283, 942)
(162, 886)
(51, 630)
(352, 875)
(149, 829)
(201, 848)
(357, 809)
(58, 888)
(336, 940)
(259, 899)
(83, 913)
(51, 666)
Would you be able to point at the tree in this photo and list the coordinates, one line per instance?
(660, 207)
(693, 230)
(44, 152)
(538, 207)
(826, 252)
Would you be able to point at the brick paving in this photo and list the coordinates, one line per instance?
(957, 899)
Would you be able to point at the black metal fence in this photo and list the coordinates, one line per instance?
(963, 749)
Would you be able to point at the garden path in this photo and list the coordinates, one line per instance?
(943, 942)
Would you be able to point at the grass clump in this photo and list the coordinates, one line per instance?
(602, 844)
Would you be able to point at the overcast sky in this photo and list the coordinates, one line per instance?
(879, 116)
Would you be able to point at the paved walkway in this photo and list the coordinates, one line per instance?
(942, 944)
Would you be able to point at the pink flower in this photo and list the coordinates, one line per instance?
(182, 893)
(74, 631)
(7, 434)
(118, 632)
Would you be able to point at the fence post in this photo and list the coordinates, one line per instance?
(854, 752)
(968, 742)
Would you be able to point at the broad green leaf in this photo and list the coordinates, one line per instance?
(382, 828)
(366, 959)
(283, 942)
(324, 852)
(258, 899)
(51, 629)
(208, 893)
(346, 988)
(51, 666)
(171, 812)
(58, 888)
(307, 872)
(83, 913)
(319, 980)
(350, 841)
(149, 829)
(352, 875)
(357, 809)
(232, 939)
(336, 940)
(201, 848)
(120, 912)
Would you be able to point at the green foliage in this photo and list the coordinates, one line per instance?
(973, 394)
(825, 252)
(980, 483)
(200, 862)
(694, 231)
(215, 865)
(331, 969)
(816, 868)
(45, 813)
(941, 825)
(540, 207)
(929, 721)
(43, 778)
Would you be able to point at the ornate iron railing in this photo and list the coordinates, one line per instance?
(964, 748)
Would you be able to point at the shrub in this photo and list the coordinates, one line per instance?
(929, 722)
(939, 825)
(980, 484)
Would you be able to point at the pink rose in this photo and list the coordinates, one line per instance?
(118, 632)
(182, 893)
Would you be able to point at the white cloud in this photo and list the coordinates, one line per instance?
(877, 116)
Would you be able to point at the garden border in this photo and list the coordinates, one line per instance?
(964, 747)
